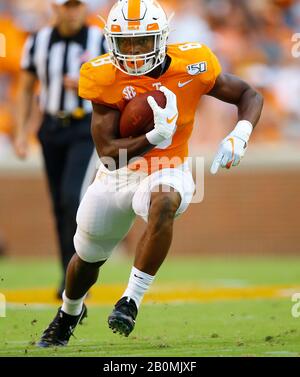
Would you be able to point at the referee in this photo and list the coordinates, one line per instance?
(53, 57)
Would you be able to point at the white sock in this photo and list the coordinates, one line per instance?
(72, 307)
(139, 283)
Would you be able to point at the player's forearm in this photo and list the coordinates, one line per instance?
(134, 147)
(250, 106)
(105, 129)
(232, 89)
(233, 147)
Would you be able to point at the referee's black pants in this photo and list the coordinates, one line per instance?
(67, 150)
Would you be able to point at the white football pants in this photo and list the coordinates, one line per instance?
(109, 206)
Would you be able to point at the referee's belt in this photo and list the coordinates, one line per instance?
(65, 118)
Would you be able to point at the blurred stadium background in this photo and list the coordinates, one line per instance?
(251, 211)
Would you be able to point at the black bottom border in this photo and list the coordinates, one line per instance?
(38, 366)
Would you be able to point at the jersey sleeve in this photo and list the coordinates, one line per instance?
(88, 88)
(213, 69)
(95, 82)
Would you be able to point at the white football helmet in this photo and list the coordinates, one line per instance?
(136, 32)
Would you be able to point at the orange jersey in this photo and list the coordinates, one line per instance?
(191, 74)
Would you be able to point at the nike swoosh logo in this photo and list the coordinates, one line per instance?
(169, 121)
(182, 84)
(138, 277)
(228, 166)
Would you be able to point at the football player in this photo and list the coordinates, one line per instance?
(160, 188)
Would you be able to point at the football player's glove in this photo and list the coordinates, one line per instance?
(164, 119)
(232, 149)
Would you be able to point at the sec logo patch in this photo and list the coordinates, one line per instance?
(129, 93)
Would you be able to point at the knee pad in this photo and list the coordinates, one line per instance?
(102, 222)
(93, 250)
(179, 179)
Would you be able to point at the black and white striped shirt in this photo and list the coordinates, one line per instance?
(51, 56)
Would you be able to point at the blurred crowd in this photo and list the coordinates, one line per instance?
(252, 39)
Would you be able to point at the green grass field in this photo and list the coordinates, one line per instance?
(258, 326)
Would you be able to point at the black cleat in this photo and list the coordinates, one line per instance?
(122, 318)
(61, 328)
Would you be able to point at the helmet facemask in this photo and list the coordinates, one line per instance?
(128, 51)
(137, 42)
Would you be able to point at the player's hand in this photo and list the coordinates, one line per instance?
(21, 145)
(164, 119)
(233, 148)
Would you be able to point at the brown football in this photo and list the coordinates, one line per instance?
(137, 117)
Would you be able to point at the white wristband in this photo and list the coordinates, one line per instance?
(243, 130)
(154, 137)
